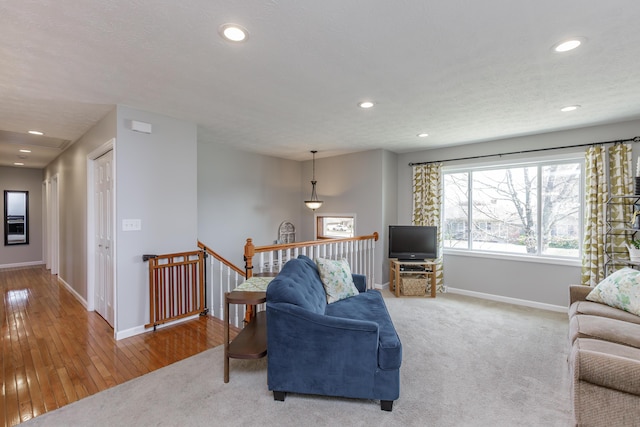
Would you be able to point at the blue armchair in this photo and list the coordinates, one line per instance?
(348, 348)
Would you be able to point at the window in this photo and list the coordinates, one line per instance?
(335, 226)
(531, 209)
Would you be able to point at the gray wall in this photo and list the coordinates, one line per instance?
(353, 184)
(184, 190)
(389, 207)
(534, 281)
(71, 168)
(23, 179)
(244, 195)
(156, 182)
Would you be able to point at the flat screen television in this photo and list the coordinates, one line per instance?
(413, 242)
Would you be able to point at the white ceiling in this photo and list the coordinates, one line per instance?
(463, 71)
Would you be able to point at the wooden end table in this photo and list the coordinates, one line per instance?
(251, 342)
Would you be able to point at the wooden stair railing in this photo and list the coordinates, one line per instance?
(222, 276)
(220, 258)
(359, 251)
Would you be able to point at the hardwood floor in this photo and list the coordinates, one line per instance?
(55, 352)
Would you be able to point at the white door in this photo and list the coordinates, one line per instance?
(104, 220)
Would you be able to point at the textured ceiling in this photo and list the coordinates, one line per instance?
(463, 71)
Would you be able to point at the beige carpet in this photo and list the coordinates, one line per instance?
(466, 362)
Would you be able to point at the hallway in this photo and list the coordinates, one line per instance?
(54, 352)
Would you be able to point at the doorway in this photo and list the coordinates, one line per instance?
(51, 224)
(101, 284)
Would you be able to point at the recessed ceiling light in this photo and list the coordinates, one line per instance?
(568, 45)
(18, 163)
(423, 135)
(569, 108)
(35, 132)
(234, 32)
(25, 151)
(365, 104)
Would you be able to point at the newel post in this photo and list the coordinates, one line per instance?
(249, 252)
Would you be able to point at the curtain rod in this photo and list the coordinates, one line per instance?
(618, 141)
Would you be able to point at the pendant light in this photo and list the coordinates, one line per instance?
(313, 203)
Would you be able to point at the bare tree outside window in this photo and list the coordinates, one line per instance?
(504, 201)
(525, 209)
(456, 210)
(561, 208)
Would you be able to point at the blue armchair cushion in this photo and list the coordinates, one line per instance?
(360, 281)
(301, 270)
(308, 260)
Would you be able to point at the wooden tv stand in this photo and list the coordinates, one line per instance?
(398, 269)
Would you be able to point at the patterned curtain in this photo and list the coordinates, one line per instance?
(427, 206)
(597, 191)
(620, 184)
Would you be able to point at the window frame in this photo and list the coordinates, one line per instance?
(539, 163)
(318, 228)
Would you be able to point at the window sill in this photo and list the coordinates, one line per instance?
(512, 257)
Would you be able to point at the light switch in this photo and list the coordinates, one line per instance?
(131, 224)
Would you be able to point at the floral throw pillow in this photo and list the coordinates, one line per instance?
(336, 279)
(620, 290)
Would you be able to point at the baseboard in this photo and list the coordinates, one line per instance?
(73, 292)
(509, 300)
(381, 286)
(137, 330)
(21, 264)
(130, 332)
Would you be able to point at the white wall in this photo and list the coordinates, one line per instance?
(539, 282)
(23, 179)
(244, 195)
